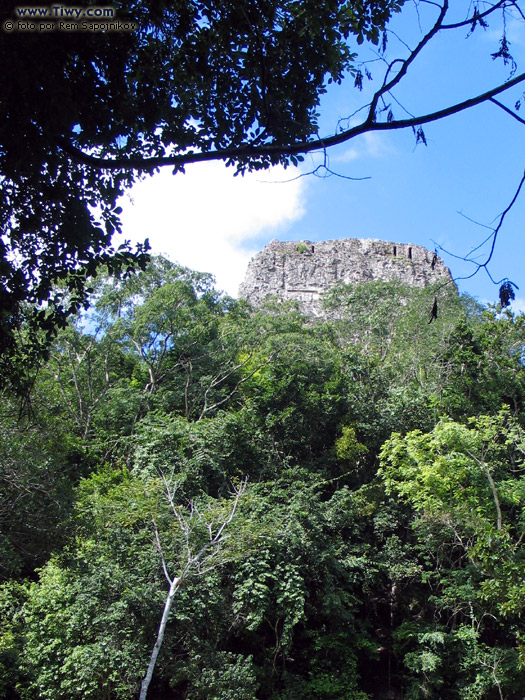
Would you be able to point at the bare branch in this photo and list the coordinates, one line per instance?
(509, 111)
(218, 380)
(324, 172)
(518, 9)
(159, 548)
(405, 64)
(238, 493)
(476, 17)
(493, 236)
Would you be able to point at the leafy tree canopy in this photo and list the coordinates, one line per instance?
(194, 81)
(192, 77)
(337, 579)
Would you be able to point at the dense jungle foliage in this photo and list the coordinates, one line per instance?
(375, 553)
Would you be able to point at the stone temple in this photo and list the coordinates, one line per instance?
(302, 271)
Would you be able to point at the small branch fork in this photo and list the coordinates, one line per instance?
(370, 124)
(192, 561)
(492, 237)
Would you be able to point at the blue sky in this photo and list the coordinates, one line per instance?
(471, 167)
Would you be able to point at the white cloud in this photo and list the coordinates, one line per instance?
(514, 33)
(349, 155)
(370, 145)
(518, 305)
(207, 219)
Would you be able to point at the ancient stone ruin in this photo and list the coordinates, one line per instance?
(302, 271)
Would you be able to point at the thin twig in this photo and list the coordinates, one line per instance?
(493, 236)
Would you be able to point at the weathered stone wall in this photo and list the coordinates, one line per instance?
(302, 271)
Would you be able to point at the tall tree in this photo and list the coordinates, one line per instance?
(208, 555)
(466, 486)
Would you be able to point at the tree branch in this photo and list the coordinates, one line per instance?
(477, 17)
(499, 520)
(405, 64)
(192, 562)
(509, 111)
(244, 151)
(159, 548)
(219, 379)
(493, 236)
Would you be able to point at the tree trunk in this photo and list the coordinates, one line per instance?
(160, 636)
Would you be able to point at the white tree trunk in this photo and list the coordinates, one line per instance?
(160, 637)
(209, 549)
